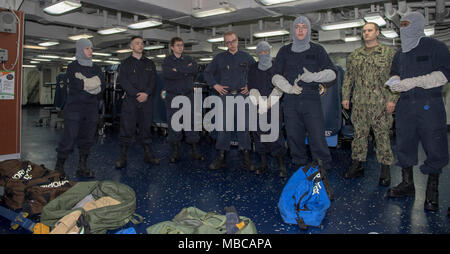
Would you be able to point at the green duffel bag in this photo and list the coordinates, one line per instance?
(99, 220)
(192, 220)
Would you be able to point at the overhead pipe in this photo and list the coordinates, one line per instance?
(105, 18)
(119, 18)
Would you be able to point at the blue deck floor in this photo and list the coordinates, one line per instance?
(360, 206)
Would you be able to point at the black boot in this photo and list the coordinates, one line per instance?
(282, 166)
(246, 161)
(122, 162)
(262, 168)
(406, 187)
(356, 170)
(175, 155)
(60, 165)
(219, 162)
(385, 175)
(83, 171)
(432, 194)
(149, 157)
(195, 154)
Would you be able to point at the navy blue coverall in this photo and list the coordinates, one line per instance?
(230, 70)
(303, 114)
(80, 111)
(420, 113)
(262, 81)
(179, 82)
(137, 75)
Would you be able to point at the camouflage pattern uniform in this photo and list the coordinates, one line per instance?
(367, 71)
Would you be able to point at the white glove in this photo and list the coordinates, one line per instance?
(394, 80)
(91, 83)
(326, 75)
(295, 90)
(274, 97)
(254, 96)
(281, 83)
(432, 80)
(403, 86)
(79, 76)
(263, 107)
(95, 90)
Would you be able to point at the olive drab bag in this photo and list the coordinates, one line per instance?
(304, 200)
(192, 220)
(29, 186)
(99, 219)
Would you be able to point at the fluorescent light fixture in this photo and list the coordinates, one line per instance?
(343, 24)
(101, 54)
(429, 31)
(206, 59)
(114, 58)
(154, 47)
(222, 47)
(250, 47)
(76, 37)
(352, 38)
(69, 58)
(226, 8)
(48, 43)
(97, 60)
(41, 59)
(278, 32)
(375, 18)
(49, 56)
(28, 66)
(145, 24)
(150, 57)
(34, 47)
(111, 30)
(123, 51)
(61, 7)
(161, 56)
(389, 33)
(34, 62)
(111, 62)
(215, 39)
(272, 2)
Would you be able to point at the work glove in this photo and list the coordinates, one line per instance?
(432, 80)
(397, 85)
(254, 96)
(95, 91)
(91, 85)
(394, 80)
(281, 83)
(273, 98)
(324, 76)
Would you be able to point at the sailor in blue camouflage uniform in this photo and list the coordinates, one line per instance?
(227, 74)
(137, 77)
(299, 69)
(179, 71)
(86, 85)
(261, 88)
(419, 70)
